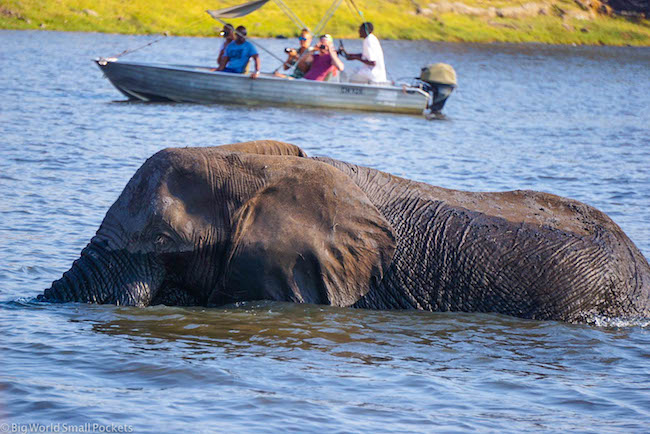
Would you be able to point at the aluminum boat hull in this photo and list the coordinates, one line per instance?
(196, 84)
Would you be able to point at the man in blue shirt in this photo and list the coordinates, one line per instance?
(238, 54)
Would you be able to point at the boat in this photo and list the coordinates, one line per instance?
(426, 94)
(200, 84)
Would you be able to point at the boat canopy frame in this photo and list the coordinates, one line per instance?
(244, 9)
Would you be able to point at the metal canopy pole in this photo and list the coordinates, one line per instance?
(292, 16)
(328, 15)
(357, 9)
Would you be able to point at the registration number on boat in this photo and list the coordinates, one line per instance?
(352, 90)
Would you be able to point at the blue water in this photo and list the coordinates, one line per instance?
(573, 121)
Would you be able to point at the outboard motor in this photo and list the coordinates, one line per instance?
(438, 80)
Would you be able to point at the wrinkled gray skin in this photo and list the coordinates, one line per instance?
(261, 220)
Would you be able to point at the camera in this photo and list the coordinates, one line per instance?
(322, 46)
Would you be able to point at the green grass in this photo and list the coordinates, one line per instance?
(393, 19)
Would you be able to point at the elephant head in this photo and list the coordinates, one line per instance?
(247, 221)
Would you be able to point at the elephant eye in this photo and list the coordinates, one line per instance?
(162, 240)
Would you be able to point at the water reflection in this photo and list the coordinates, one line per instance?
(370, 337)
(417, 367)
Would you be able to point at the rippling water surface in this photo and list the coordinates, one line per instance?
(573, 121)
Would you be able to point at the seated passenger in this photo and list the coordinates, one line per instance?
(301, 57)
(326, 62)
(238, 53)
(373, 70)
(228, 34)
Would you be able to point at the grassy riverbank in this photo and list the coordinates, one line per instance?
(545, 21)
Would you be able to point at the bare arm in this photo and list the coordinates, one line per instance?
(223, 63)
(258, 65)
(360, 58)
(335, 58)
(290, 61)
(222, 54)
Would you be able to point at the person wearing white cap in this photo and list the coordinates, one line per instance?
(326, 62)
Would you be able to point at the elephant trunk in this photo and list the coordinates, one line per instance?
(103, 276)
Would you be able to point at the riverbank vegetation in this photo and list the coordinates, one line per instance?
(545, 21)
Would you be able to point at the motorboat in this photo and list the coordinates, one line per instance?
(425, 94)
(200, 84)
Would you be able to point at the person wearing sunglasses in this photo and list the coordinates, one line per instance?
(300, 57)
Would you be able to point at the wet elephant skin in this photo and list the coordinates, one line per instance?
(262, 220)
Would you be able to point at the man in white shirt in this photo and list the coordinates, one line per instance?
(373, 71)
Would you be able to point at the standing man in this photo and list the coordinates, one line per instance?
(373, 71)
(228, 34)
(238, 53)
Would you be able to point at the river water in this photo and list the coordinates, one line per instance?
(573, 121)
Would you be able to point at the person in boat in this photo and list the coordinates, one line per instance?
(301, 57)
(373, 70)
(326, 62)
(238, 53)
(228, 33)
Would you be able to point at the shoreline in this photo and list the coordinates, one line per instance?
(345, 39)
(551, 22)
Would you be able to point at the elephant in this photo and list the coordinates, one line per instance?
(262, 220)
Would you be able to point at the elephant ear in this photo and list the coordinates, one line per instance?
(264, 147)
(309, 236)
